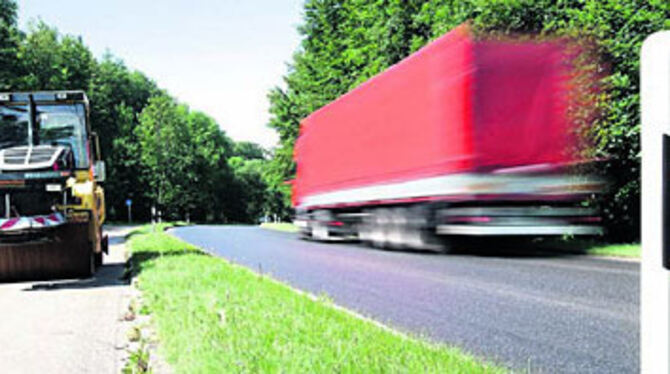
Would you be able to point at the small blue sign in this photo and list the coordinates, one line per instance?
(129, 202)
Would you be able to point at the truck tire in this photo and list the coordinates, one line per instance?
(319, 225)
(366, 227)
(410, 227)
(305, 234)
(382, 221)
(422, 235)
(320, 231)
(399, 230)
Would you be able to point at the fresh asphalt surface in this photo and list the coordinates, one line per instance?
(531, 312)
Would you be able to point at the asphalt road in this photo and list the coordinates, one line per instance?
(536, 313)
(67, 326)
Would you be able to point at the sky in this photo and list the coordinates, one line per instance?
(218, 56)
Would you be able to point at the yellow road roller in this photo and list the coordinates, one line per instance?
(52, 206)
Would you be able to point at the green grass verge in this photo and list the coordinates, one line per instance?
(616, 250)
(282, 226)
(213, 316)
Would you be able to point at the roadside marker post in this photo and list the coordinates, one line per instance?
(153, 218)
(655, 277)
(129, 204)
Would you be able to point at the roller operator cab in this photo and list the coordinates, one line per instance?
(51, 203)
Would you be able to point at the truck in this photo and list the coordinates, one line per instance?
(51, 202)
(467, 137)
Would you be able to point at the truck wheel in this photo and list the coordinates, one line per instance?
(320, 231)
(366, 227)
(305, 234)
(320, 225)
(425, 240)
(398, 232)
(420, 231)
(382, 223)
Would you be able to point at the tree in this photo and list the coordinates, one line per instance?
(184, 156)
(162, 135)
(49, 61)
(249, 189)
(211, 178)
(8, 44)
(249, 151)
(117, 95)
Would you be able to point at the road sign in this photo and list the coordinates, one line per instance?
(655, 279)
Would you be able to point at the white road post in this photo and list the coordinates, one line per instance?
(655, 279)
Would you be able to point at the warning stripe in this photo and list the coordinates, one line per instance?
(22, 223)
(8, 224)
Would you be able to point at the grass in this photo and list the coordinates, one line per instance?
(138, 362)
(213, 316)
(616, 250)
(281, 226)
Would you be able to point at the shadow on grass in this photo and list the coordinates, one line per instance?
(111, 275)
(160, 227)
(142, 260)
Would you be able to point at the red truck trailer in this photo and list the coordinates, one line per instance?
(466, 136)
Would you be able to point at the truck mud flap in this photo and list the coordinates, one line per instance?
(64, 253)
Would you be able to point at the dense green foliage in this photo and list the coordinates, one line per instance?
(346, 42)
(8, 42)
(158, 152)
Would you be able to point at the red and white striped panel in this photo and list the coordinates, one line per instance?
(35, 222)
